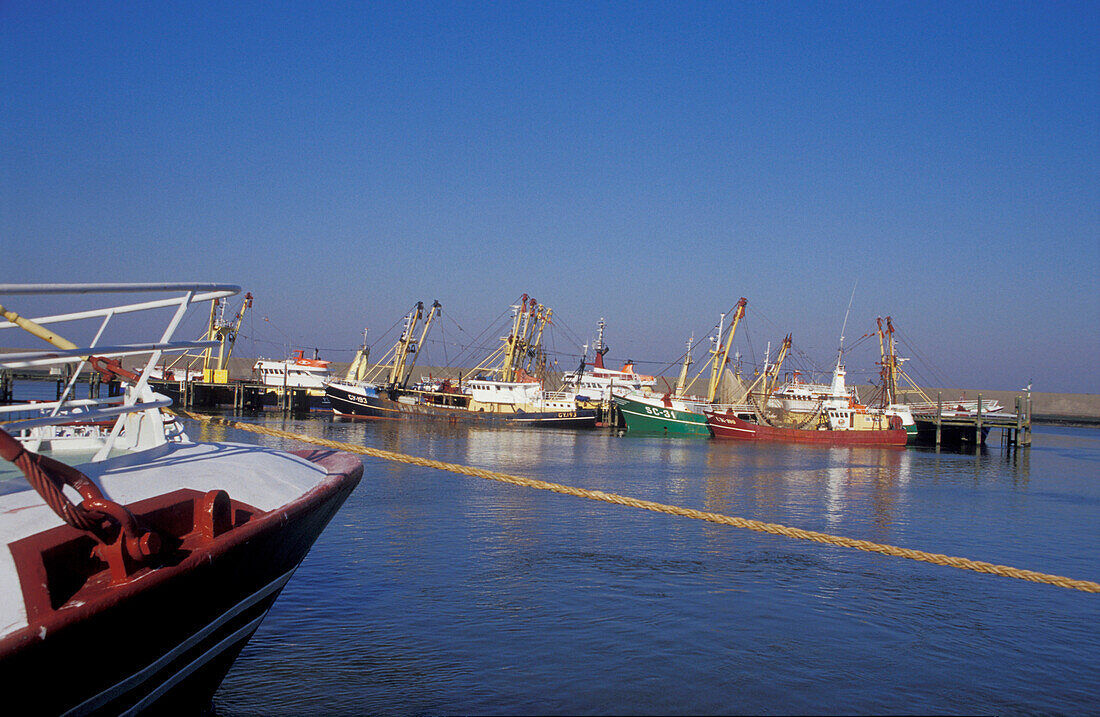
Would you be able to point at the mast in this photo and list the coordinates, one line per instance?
(772, 373)
(682, 380)
(715, 348)
(231, 336)
(211, 328)
(889, 364)
(601, 348)
(415, 348)
(401, 350)
(721, 352)
(840, 351)
(536, 356)
(218, 329)
(892, 367)
(512, 340)
(358, 368)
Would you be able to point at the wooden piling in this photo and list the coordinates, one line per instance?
(1027, 425)
(979, 439)
(1019, 421)
(939, 417)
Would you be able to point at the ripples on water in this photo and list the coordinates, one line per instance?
(436, 593)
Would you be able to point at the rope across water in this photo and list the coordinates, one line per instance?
(755, 525)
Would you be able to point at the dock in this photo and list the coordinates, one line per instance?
(241, 395)
(939, 426)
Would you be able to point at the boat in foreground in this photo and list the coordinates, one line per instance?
(139, 594)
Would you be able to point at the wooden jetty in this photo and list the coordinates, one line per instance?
(241, 395)
(95, 386)
(940, 426)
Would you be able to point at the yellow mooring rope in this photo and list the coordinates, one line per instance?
(758, 526)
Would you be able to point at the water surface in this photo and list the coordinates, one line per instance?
(432, 592)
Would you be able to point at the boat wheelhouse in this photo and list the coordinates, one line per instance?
(596, 383)
(294, 372)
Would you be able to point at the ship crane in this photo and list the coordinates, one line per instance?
(406, 352)
(521, 351)
(889, 362)
(771, 375)
(224, 332)
(719, 355)
(358, 368)
(720, 352)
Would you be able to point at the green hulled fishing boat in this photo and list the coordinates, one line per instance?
(677, 412)
(655, 413)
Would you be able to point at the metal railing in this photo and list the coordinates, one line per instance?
(139, 402)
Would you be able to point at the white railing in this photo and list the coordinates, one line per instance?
(139, 409)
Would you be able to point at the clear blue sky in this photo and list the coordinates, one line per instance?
(646, 163)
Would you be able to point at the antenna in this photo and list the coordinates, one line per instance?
(840, 351)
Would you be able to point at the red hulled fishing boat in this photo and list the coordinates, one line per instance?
(729, 425)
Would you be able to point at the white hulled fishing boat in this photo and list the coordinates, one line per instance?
(503, 389)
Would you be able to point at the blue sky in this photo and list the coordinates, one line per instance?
(647, 163)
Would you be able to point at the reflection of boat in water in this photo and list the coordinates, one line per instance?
(507, 393)
(141, 595)
(677, 412)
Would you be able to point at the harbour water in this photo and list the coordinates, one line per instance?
(436, 593)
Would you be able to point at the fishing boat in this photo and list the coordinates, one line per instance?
(836, 420)
(507, 392)
(838, 427)
(139, 594)
(294, 372)
(676, 411)
(596, 383)
(803, 396)
(834, 417)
